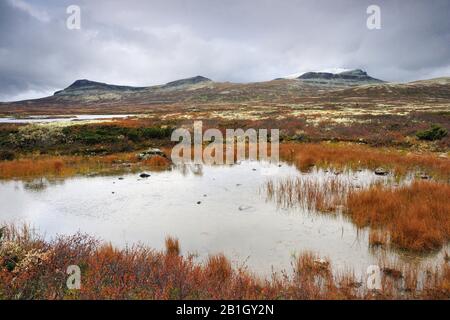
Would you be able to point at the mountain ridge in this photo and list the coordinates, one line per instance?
(355, 76)
(84, 94)
(85, 84)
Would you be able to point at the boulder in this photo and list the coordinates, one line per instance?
(245, 208)
(151, 152)
(381, 172)
(321, 264)
(424, 176)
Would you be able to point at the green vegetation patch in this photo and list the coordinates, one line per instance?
(111, 134)
(436, 132)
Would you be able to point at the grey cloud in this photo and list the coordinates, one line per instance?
(150, 42)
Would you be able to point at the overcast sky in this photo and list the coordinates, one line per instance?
(152, 42)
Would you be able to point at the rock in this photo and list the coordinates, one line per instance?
(322, 264)
(300, 137)
(120, 178)
(151, 152)
(396, 274)
(381, 172)
(243, 208)
(424, 176)
(198, 202)
(126, 165)
(144, 175)
(355, 284)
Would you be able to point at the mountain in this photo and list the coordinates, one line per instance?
(187, 82)
(425, 90)
(346, 78)
(318, 88)
(85, 85)
(87, 92)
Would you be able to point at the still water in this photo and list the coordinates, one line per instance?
(211, 209)
(49, 119)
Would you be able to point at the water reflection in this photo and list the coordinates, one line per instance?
(41, 184)
(211, 209)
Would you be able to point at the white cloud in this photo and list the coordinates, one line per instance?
(25, 95)
(38, 14)
(152, 42)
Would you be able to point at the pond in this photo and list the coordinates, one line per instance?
(211, 209)
(49, 119)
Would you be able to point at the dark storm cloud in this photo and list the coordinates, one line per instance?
(151, 42)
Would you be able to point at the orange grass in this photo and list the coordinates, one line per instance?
(303, 155)
(378, 238)
(64, 166)
(417, 216)
(31, 268)
(156, 161)
(414, 216)
(309, 194)
(172, 246)
(361, 156)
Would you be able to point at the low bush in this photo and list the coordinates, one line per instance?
(98, 134)
(33, 268)
(436, 132)
(7, 155)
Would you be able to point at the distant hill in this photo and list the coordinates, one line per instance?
(84, 85)
(319, 88)
(346, 78)
(432, 89)
(187, 82)
(87, 92)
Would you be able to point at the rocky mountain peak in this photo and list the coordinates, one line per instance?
(355, 76)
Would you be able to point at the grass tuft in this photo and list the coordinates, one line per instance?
(172, 246)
